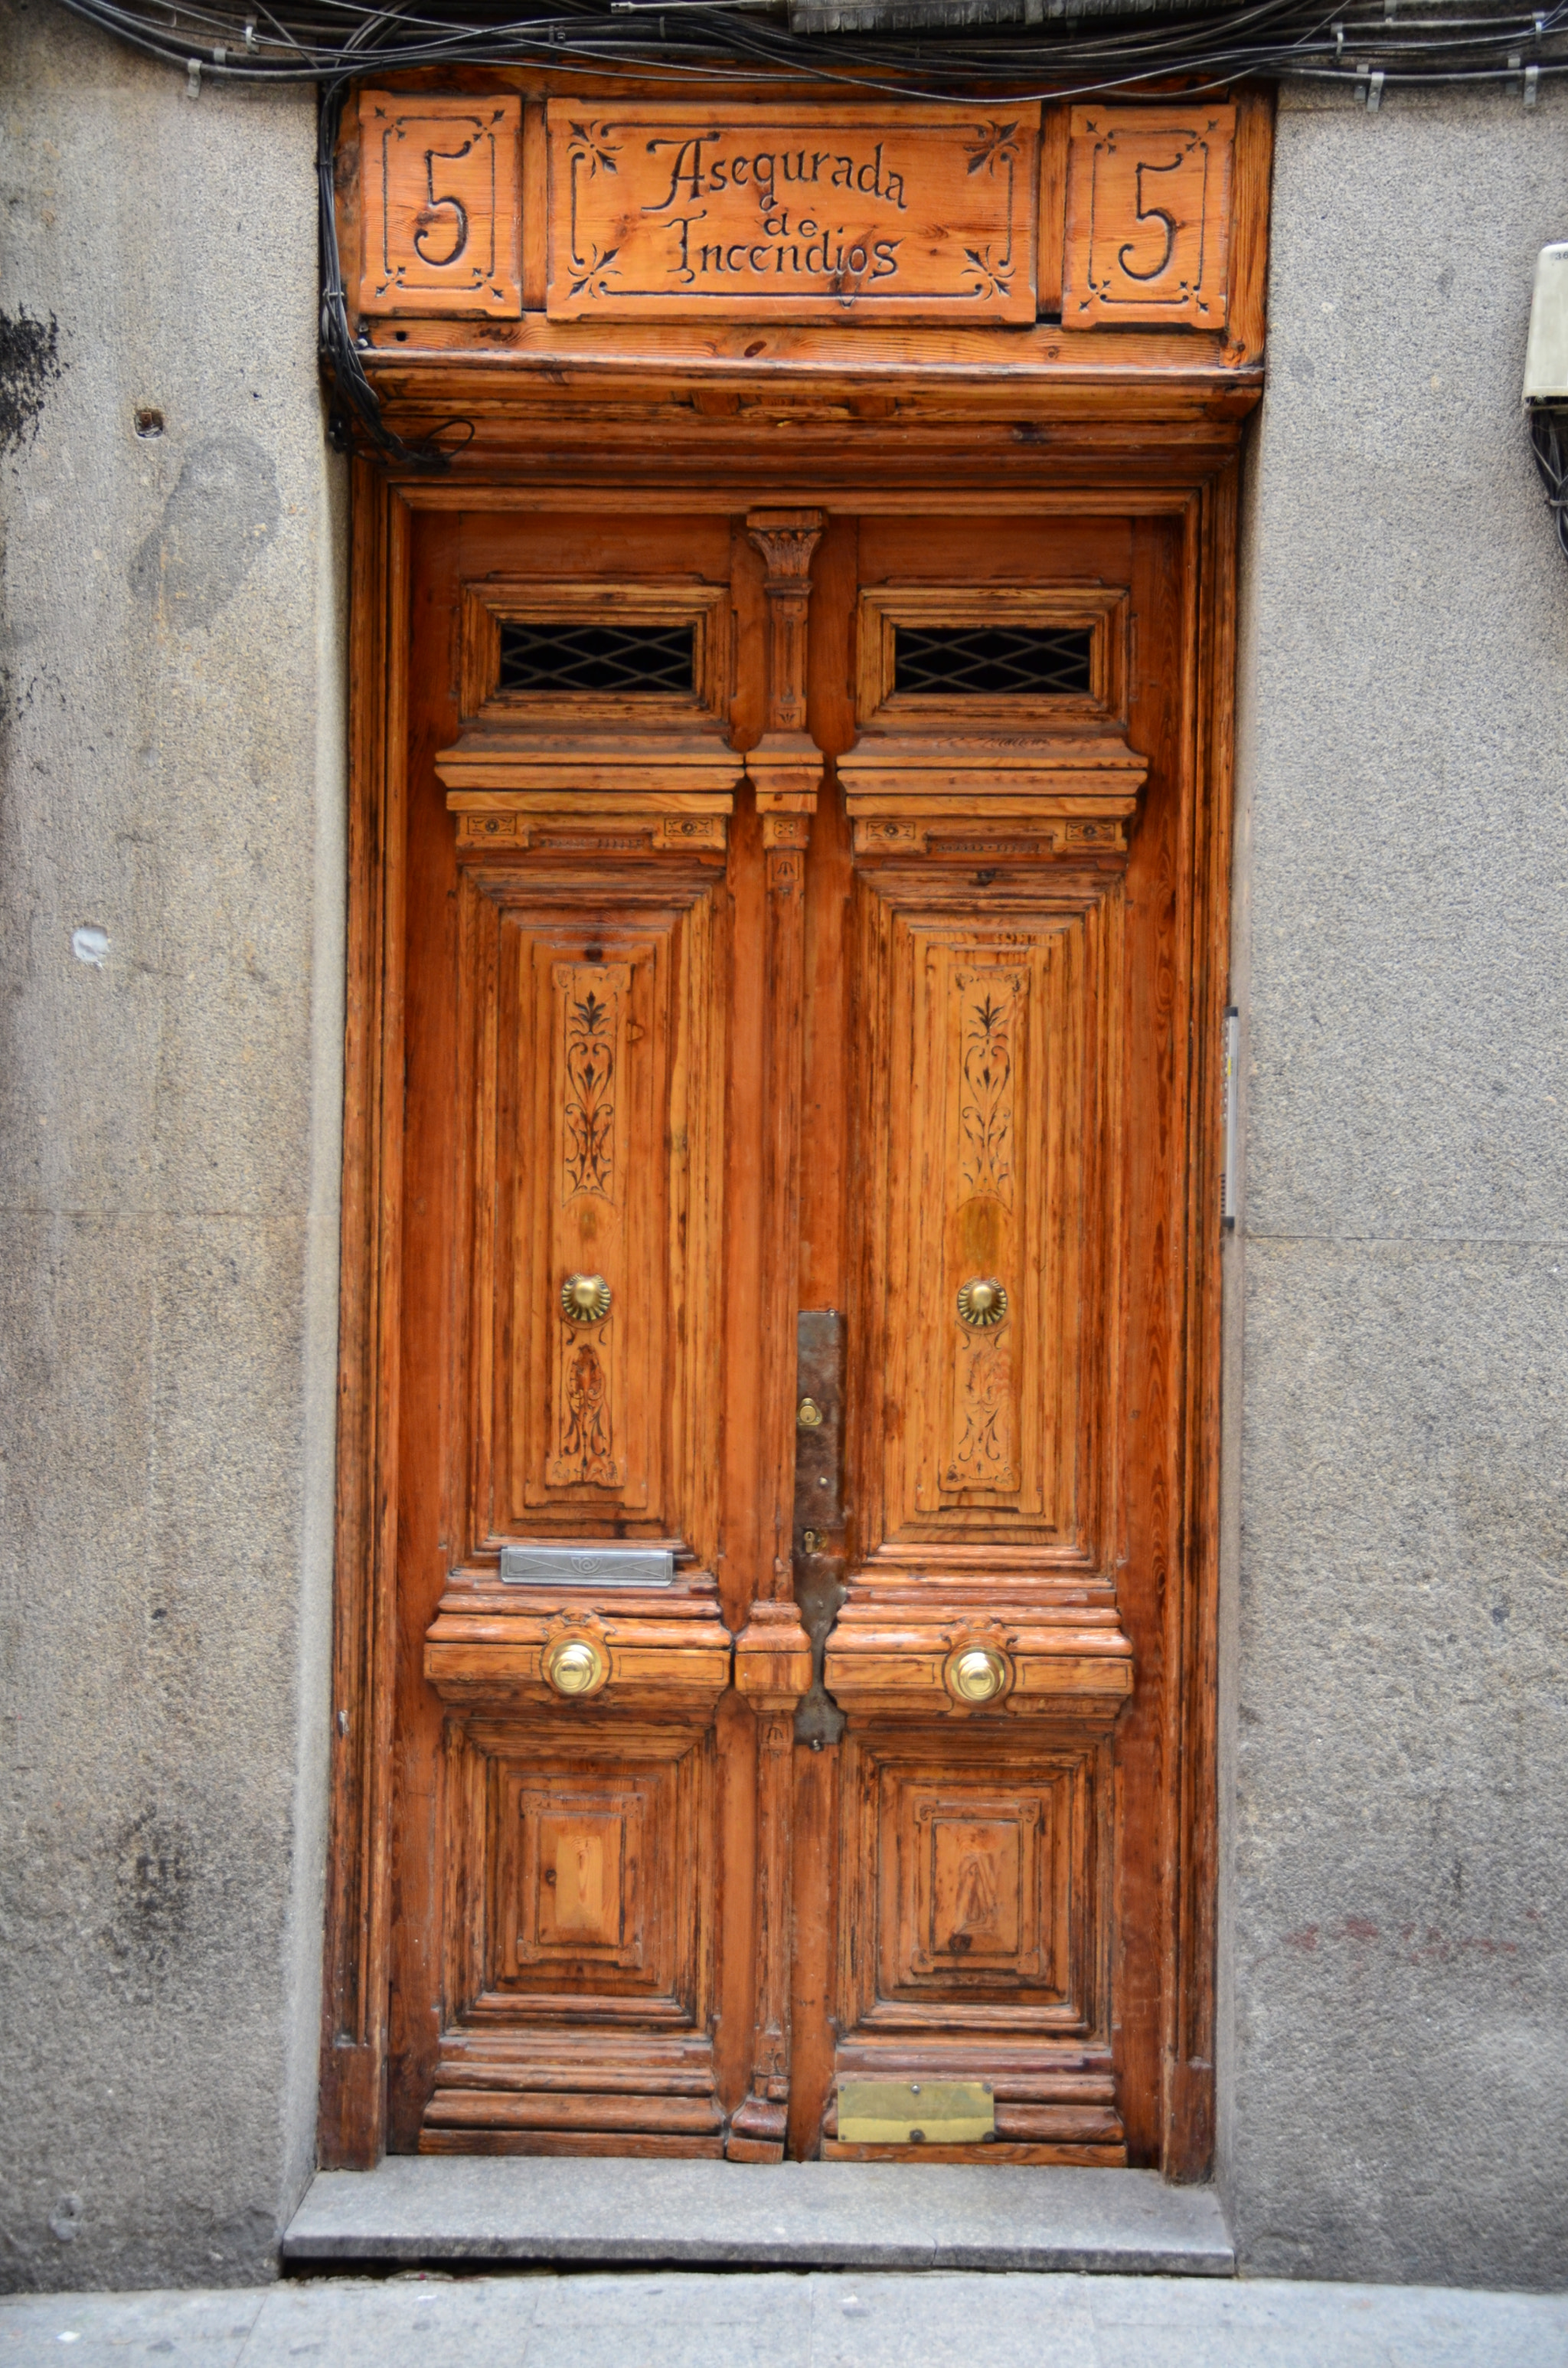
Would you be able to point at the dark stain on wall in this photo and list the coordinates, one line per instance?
(29, 362)
(220, 517)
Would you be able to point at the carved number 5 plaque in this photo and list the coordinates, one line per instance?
(1148, 217)
(440, 178)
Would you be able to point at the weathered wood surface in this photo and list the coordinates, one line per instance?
(838, 1060)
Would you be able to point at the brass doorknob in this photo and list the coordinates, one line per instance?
(982, 1302)
(976, 1674)
(576, 1666)
(584, 1298)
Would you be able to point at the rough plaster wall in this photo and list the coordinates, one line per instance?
(170, 1085)
(1395, 2066)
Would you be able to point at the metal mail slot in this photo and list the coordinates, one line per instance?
(592, 1566)
(916, 2112)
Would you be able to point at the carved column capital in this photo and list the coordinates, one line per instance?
(785, 540)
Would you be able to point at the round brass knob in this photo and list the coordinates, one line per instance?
(584, 1298)
(982, 1302)
(576, 1666)
(977, 1674)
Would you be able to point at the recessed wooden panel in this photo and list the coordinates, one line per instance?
(442, 231)
(984, 1152)
(821, 214)
(593, 1022)
(571, 1904)
(581, 1865)
(1148, 216)
(971, 1886)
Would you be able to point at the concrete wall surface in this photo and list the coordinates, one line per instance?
(1394, 1987)
(171, 916)
(1394, 2069)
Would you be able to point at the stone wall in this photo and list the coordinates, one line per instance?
(1394, 1997)
(171, 990)
(1394, 2072)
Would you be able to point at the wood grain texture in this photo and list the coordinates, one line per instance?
(1149, 215)
(441, 223)
(796, 213)
(773, 1654)
(1023, 1893)
(354, 2025)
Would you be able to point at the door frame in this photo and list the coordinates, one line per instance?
(1189, 476)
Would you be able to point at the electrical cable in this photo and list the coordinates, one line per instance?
(1546, 442)
(1103, 46)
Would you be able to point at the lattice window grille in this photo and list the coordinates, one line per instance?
(618, 659)
(991, 661)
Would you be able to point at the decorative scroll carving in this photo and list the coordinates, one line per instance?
(442, 225)
(983, 1456)
(585, 1454)
(1148, 216)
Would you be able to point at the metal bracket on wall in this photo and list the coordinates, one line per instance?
(818, 1546)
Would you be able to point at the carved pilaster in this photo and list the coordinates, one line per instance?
(786, 764)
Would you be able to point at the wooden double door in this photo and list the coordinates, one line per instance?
(800, 1411)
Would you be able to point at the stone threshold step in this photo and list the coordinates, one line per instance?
(435, 2209)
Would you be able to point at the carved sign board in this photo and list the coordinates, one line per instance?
(1148, 216)
(442, 225)
(684, 213)
(828, 213)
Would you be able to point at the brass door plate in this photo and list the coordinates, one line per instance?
(916, 2112)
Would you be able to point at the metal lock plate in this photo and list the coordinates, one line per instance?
(916, 2112)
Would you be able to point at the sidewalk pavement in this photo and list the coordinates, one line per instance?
(823, 2319)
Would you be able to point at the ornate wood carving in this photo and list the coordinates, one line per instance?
(786, 764)
(599, 1036)
(1055, 769)
(579, 1893)
(772, 1667)
(791, 213)
(641, 751)
(973, 1930)
(538, 893)
(1149, 216)
(442, 231)
(993, 1158)
(660, 280)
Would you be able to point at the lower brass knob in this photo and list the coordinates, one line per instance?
(977, 1674)
(576, 1666)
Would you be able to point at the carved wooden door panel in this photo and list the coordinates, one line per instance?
(792, 1399)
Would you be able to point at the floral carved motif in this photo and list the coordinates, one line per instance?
(589, 1063)
(988, 1005)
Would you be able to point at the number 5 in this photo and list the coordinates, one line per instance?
(1152, 213)
(441, 205)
